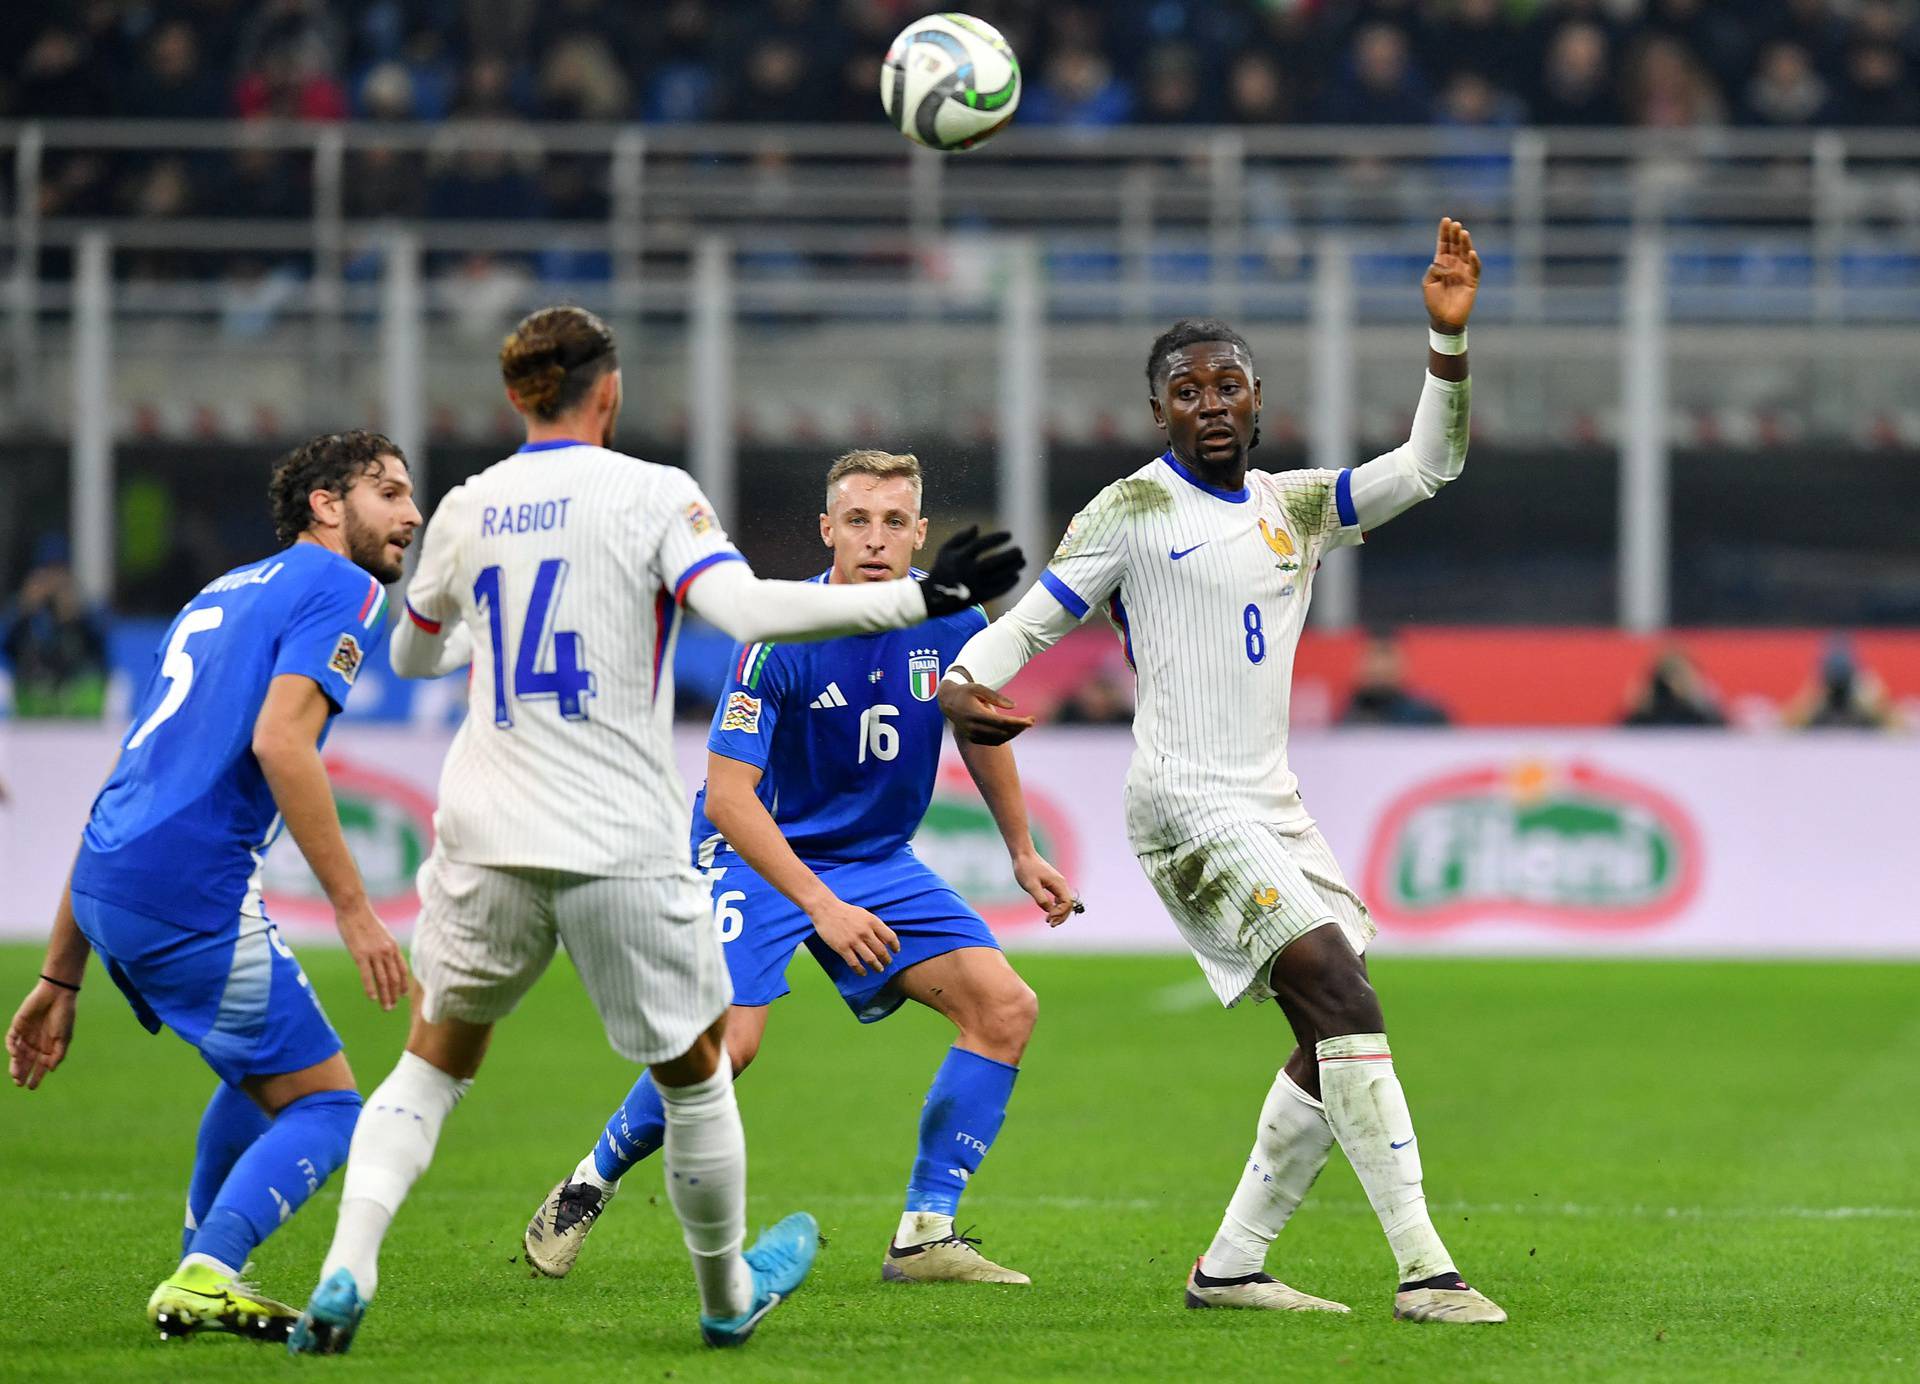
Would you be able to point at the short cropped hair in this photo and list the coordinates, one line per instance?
(868, 461)
(333, 461)
(1188, 331)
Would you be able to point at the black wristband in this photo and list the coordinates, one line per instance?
(61, 983)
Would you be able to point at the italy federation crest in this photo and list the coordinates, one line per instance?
(923, 673)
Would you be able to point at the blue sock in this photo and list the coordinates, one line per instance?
(637, 1129)
(272, 1179)
(966, 1105)
(228, 1128)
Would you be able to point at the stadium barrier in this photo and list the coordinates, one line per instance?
(1658, 843)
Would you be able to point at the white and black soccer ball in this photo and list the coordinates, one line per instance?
(950, 82)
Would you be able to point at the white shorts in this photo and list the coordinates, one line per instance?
(646, 949)
(1241, 893)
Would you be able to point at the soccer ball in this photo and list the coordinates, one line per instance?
(950, 82)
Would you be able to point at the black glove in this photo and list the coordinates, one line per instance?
(964, 573)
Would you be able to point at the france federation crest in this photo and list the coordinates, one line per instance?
(923, 673)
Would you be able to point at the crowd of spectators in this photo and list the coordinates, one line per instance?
(1475, 62)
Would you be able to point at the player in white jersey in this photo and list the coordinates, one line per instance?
(1206, 567)
(560, 571)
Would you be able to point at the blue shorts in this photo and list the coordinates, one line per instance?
(928, 917)
(237, 994)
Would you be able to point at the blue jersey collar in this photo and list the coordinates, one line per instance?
(552, 444)
(1238, 497)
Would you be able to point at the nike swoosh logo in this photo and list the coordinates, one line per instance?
(1402, 1144)
(1177, 553)
(955, 593)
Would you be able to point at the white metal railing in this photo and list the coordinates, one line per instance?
(1020, 363)
(1020, 242)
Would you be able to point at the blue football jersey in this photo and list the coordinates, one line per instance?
(846, 733)
(180, 829)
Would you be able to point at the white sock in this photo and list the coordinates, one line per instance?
(1289, 1149)
(922, 1228)
(706, 1163)
(1369, 1116)
(588, 1172)
(392, 1145)
(223, 1269)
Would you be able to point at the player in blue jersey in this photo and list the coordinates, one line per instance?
(821, 763)
(224, 748)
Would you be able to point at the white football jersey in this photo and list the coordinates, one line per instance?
(568, 563)
(1209, 589)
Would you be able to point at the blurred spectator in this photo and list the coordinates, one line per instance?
(1380, 86)
(1810, 23)
(290, 53)
(1470, 101)
(1079, 89)
(58, 78)
(1843, 696)
(773, 86)
(1786, 88)
(1674, 695)
(580, 79)
(1881, 91)
(1100, 701)
(1256, 92)
(1668, 89)
(1170, 88)
(172, 83)
(1576, 86)
(1380, 694)
(55, 642)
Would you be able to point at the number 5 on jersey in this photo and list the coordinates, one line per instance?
(567, 681)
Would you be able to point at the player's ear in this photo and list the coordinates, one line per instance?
(328, 508)
(826, 530)
(1159, 416)
(920, 534)
(1256, 394)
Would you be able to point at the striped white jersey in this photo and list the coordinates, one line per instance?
(1209, 589)
(567, 562)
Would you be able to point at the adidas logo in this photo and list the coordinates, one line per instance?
(829, 699)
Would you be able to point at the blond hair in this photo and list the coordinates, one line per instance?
(869, 461)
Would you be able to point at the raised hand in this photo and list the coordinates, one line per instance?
(970, 570)
(1453, 279)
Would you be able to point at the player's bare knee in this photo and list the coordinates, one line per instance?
(742, 1048)
(1002, 1023)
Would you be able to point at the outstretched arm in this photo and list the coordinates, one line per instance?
(969, 569)
(969, 693)
(1436, 452)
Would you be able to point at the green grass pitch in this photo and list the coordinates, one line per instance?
(1662, 1170)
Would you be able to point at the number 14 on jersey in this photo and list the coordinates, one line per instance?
(568, 681)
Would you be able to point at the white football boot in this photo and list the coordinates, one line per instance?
(1445, 1299)
(559, 1228)
(945, 1258)
(1260, 1291)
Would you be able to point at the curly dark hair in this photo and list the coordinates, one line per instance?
(1188, 331)
(332, 461)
